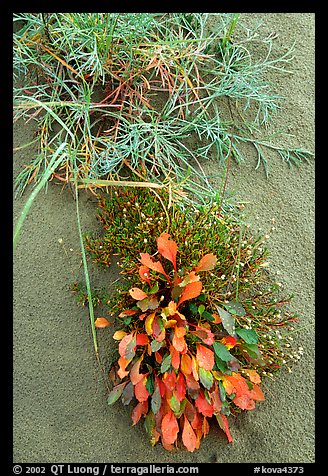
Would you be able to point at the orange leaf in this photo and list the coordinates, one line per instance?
(223, 422)
(185, 364)
(128, 312)
(144, 274)
(140, 409)
(141, 391)
(205, 357)
(123, 363)
(167, 248)
(192, 277)
(239, 384)
(137, 294)
(217, 319)
(175, 357)
(178, 342)
(135, 376)
(207, 263)
(148, 261)
(170, 428)
(191, 291)
(101, 322)
(253, 375)
(256, 393)
(245, 402)
(188, 436)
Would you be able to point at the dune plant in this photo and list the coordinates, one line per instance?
(199, 323)
(141, 91)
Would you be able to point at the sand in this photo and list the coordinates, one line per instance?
(60, 409)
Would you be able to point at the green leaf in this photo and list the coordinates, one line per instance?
(192, 308)
(130, 348)
(208, 316)
(150, 384)
(149, 423)
(201, 309)
(155, 345)
(228, 321)
(206, 377)
(222, 391)
(202, 298)
(235, 308)
(248, 335)
(225, 409)
(234, 364)
(154, 289)
(221, 351)
(174, 404)
(128, 394)
(115, 393)
(252, 350)
(166, 363)
(222, 365)
(156, 400)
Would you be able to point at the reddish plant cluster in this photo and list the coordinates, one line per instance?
(178, 367)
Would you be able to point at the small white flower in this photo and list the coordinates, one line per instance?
(145, 240)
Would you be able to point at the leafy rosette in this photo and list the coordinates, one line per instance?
(181, 362)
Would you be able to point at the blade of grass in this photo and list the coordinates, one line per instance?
(53, 164)
(86, 274)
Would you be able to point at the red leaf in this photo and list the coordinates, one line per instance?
(137, 294)
(167, 248)
(229, 342)
(203, 406)
(207, 263)
(170, 428)
(180, 387)
(148, 261)
(191, 291)
(192, 383)
(144, 274)
(141, 391)
(140, 409)
(158, 329)
(101, 322)
(142, 339)
(205, 357)
(204, 334)
(169, 380)
(188, 436)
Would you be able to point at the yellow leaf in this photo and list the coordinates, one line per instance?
(118, 335)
